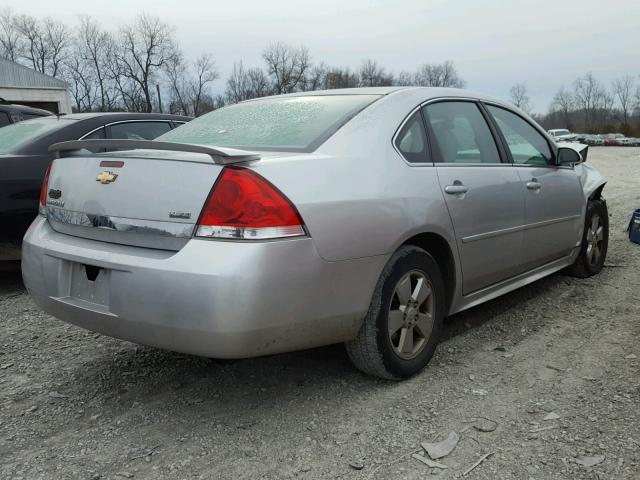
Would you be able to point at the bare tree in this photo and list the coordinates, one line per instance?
(45, 43)
(564, 103)
(520, 97)
(81, 83)
(374, 75)
(438, 75)
(287, 66)
(623, 90)
(587, 89)
(405, 79)
(146, 45)
(96, 48)
(341, 78)
(205, 73)
(245, 84)
(10, 38)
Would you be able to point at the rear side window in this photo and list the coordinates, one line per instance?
(139, 130)
(412, 140)
(461, 133)
(4, 119)
(297, 124)
(98, 134)
(526, 144)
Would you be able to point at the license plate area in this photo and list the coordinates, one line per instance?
(90, 283)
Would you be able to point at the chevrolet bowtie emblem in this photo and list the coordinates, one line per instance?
(106, 177)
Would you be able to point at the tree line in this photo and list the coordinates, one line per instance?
(141, 67)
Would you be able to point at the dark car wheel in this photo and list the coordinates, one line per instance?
(401, 329)
(595, 241)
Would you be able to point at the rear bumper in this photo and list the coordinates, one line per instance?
(212, 298)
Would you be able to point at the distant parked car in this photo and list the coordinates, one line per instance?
(24, 155)
(561, 135)
(12, 113)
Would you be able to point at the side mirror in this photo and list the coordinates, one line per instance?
(568, 157)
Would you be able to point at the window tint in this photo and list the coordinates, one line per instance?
(297, 124)
(139, 130)
(412, 140)
(4, 119)
(526, 144)
(461, 133)
(98, 134)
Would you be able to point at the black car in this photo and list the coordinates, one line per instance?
(11, 113)
(24, 157)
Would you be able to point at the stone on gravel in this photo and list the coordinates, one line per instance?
(356, 465)
(551, 416)
(54, 394)
(428, 462)
(442, 449)
(590, 461)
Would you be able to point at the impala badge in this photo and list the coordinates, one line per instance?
(106, 177)
(55, 194)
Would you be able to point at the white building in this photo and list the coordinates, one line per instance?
(25, 86)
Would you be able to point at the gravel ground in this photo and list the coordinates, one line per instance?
(552, 368)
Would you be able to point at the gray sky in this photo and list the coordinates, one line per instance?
(494, 44)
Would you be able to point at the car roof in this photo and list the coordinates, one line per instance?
(117, 116)
(420, 93)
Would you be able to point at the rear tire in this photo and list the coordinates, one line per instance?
(401, 330)
(595, 241)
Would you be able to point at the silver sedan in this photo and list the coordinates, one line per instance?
(363, 216)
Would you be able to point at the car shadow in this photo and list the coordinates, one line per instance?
(127, 374)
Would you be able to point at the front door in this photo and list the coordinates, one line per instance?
(554, 199)
(482, 193)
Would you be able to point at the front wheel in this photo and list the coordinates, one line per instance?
(401, 329)
(595, 241)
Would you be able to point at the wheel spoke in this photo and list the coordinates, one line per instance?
(406, 340)
(403, 290)
(595, 223)
(596, 254)
(395, 321)
(600, 234)
(421, 292)
(424, 324)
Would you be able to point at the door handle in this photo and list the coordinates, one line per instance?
(534, 184)
(456, 189)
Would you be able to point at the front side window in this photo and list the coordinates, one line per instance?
(139, 130)
(412, 140)
(526, 144)
(297, 124)
(461, 133)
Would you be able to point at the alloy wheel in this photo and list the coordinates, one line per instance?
(410, 318)
(595, 239)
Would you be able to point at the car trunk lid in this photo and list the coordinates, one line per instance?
(144, 198)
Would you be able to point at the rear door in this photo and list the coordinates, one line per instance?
(554, 199)
(482, 193)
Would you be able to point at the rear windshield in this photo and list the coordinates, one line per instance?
(297, 124)
(14, 136)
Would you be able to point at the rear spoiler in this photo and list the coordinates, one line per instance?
(220, 155)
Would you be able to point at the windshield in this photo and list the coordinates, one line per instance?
(16, 135)
(297, 124)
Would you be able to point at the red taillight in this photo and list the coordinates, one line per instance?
(43, 190)
(243, 205)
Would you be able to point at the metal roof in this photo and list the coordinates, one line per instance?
(18, 76)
